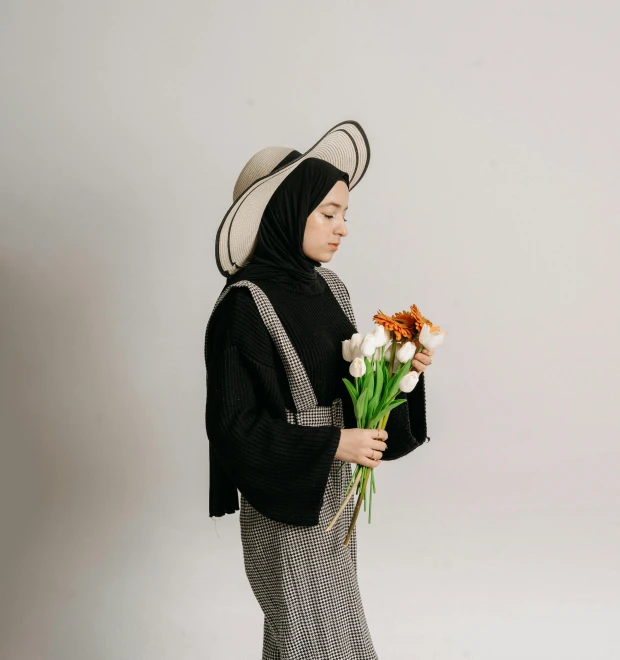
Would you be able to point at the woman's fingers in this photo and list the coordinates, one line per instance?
(378, 444)
(369, 462)
(378, 438)
(422, 360)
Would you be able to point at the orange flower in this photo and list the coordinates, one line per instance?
(408, 323)
(398, 327)
(420, 319)
(412, 319)
(406, 319)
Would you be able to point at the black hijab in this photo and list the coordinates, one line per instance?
(278, 254)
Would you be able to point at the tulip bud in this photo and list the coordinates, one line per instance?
(382, 336)
(346, 350)
(368, 345)
(405, 352)
(409, 381)
(431, 340)
(378, 354)
(355, 343)
(357, 368)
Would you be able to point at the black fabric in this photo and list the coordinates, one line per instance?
(282, 468)
(278, 254)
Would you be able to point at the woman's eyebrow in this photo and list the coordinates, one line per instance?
(338, 206)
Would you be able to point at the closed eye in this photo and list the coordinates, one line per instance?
(331, 216)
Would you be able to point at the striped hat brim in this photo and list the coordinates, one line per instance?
(345, 146)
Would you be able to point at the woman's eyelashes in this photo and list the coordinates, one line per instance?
(331, 216)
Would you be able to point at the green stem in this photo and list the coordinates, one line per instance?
(356, 510)
(372, 483)
(393, 355)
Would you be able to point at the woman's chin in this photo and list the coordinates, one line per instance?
(323, 257)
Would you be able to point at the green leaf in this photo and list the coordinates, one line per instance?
(374, 402)
(394, 389)
(352, 390)
(391, 381)
(360, 408)
(384, 395)
(390, 406)
(368, 376)
(386, 372)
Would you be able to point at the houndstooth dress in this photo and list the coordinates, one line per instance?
(305, 579)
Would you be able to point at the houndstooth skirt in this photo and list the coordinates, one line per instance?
(305, 579)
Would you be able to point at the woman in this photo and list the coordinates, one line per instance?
(278, 417)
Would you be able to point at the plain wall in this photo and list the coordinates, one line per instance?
(491, 201)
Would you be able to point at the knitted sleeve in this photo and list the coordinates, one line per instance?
(281, 468)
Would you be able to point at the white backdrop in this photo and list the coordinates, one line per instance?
(491, 201)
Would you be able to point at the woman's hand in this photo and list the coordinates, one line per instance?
(422, 360)
(362, 446)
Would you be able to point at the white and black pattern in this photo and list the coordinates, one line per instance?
(339, 291)
(319, 416)
(301, 389)
(305, 579)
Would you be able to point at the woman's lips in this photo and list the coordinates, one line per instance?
(333, 246)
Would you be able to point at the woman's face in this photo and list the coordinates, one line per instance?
(326, 224)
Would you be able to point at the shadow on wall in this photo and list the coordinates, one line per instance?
(72, 418)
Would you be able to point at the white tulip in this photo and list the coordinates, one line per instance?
(409, 381)
(368, 345)
(354, 345)
(378, 354)
(405, 352)
(346, 350)
(357, 368)
(382, 335)
(431, 340)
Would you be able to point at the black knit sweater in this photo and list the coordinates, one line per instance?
(282, 468)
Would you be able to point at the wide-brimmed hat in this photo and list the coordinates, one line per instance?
(345, 146)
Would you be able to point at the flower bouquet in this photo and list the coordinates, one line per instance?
(381, 368)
